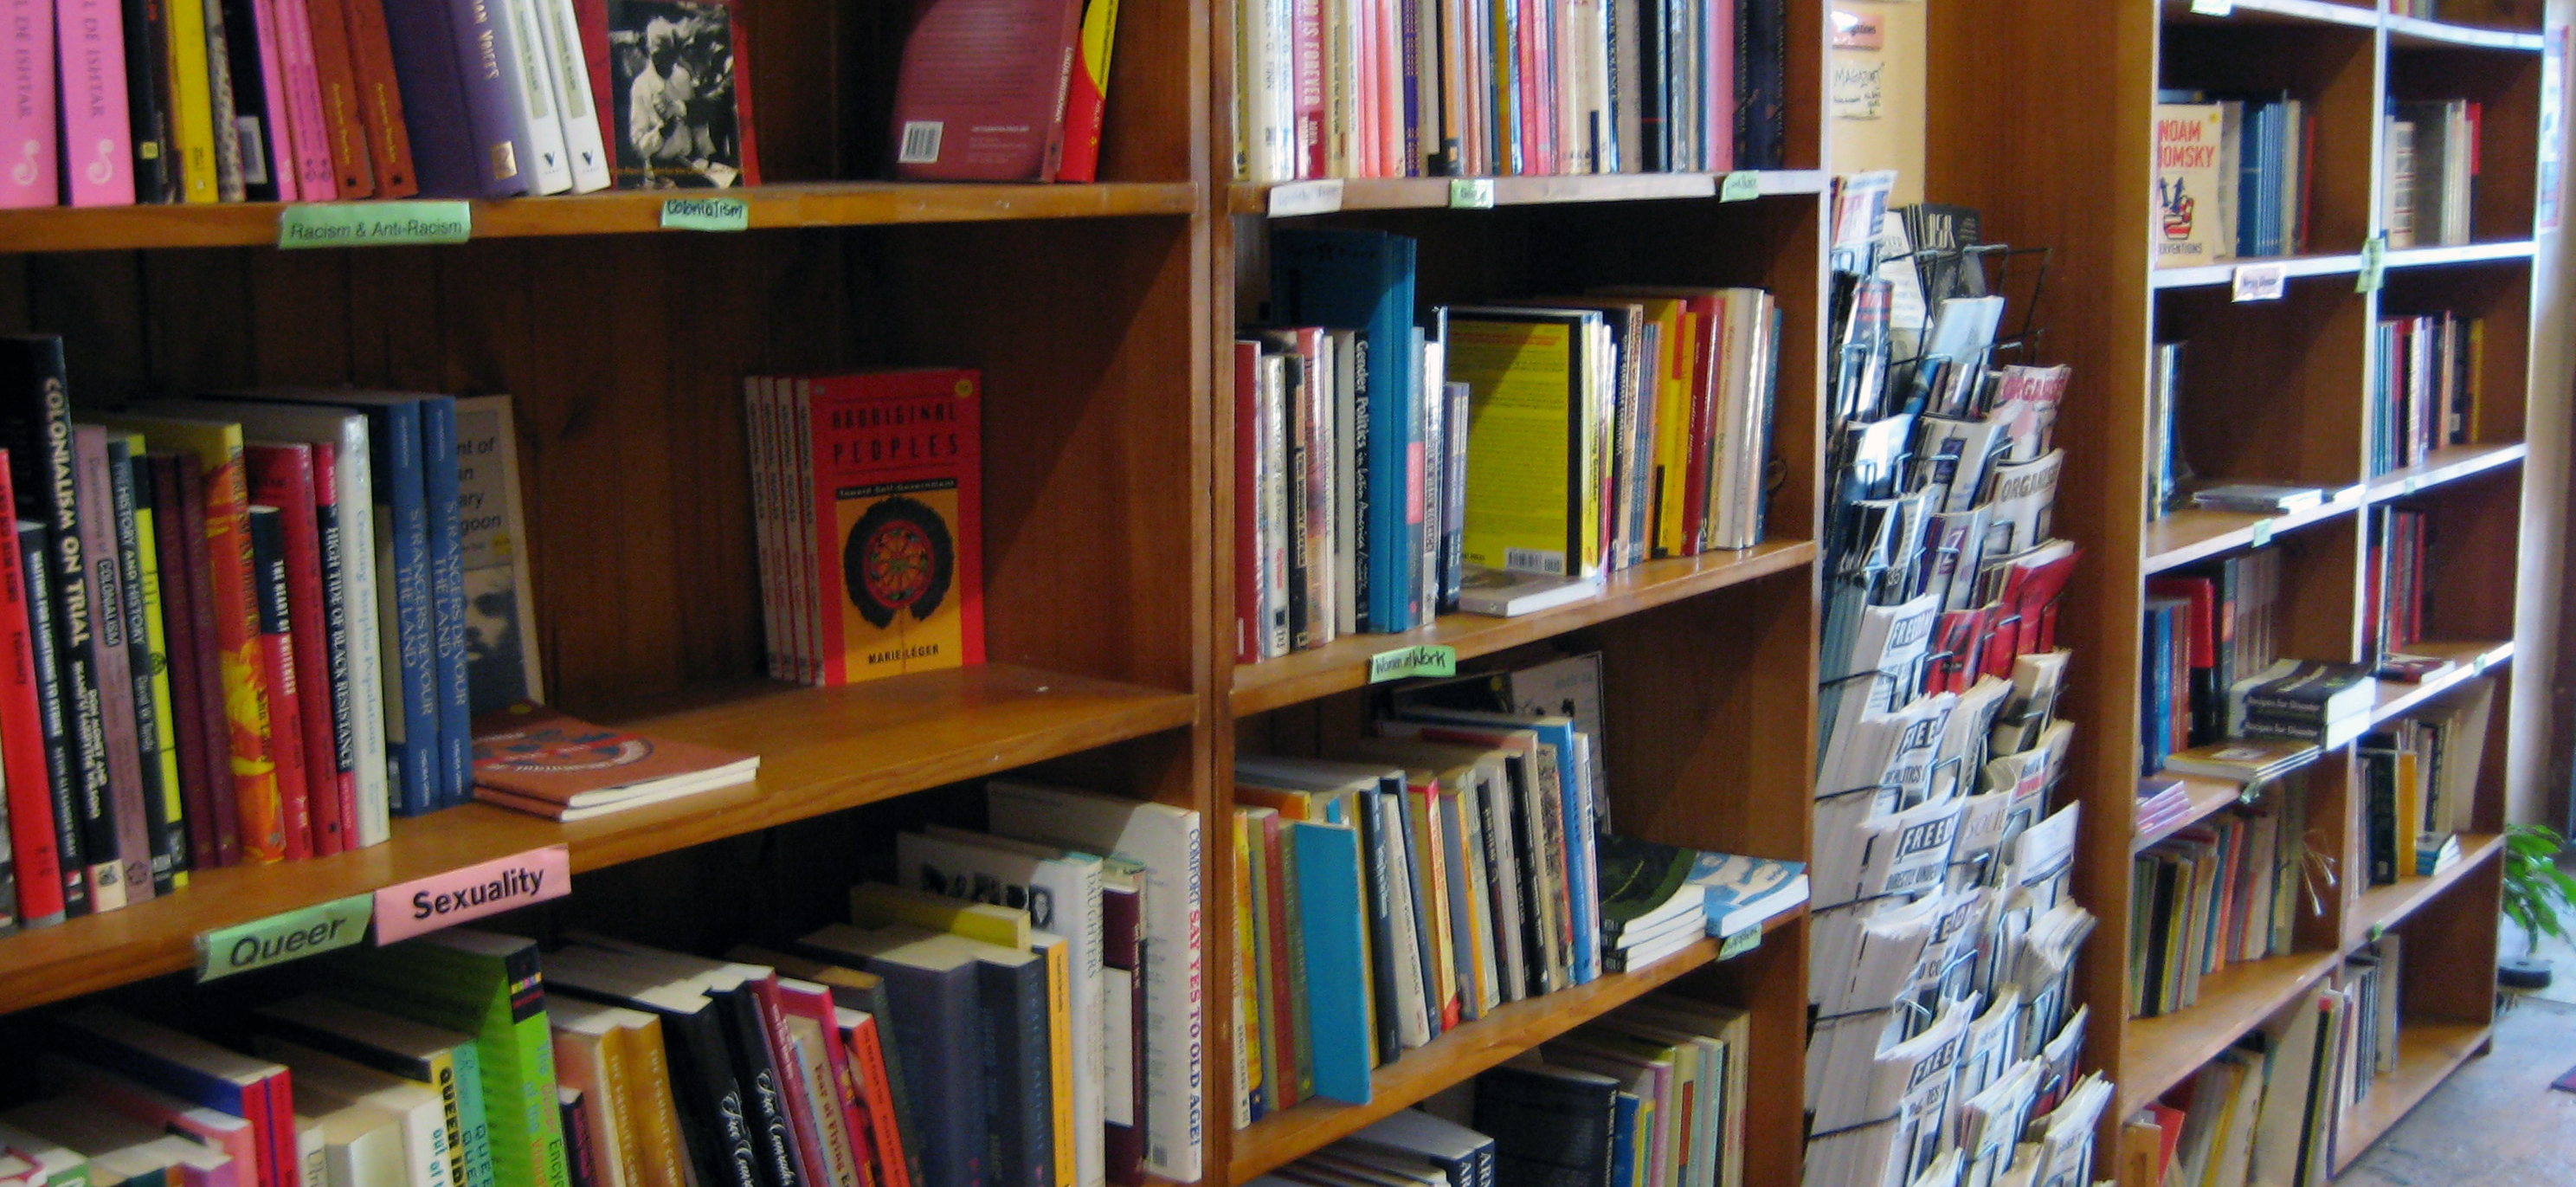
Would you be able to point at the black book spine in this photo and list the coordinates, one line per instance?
(718, 1126)
(2160, 919)
(219, 92)
(583, 1165)
(335, 642)
(163, 818)
(1300, 423)
(1382, 938)
(773, 1133)
(898, 1087)
(35, 559)
(75, 640)
(1654, 99)
(255, 132)
(937, 1016)
(147, 100)
(1547, 1132)
(2379, 772)
(1019, 1091)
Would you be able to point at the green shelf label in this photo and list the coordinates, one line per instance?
(374, 224)
(2262, 532)
(1430, 659)
(1740, 943)
(2374, 264)
(706, 214)
(1471, 193)
(1743, 185)
(292, 935)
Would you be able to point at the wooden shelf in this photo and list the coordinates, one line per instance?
(2447, 464)
(821, 750)
(620, 212)
(2397, 697)
(2428, 1051)
(2192, 534)
(2208, 797)
(2463, 253)
(1342, 664)
(2224, 272)
(1418, 193)
(2406, 32)
(2387, 906)
(2158, 1052)
(2276, 12)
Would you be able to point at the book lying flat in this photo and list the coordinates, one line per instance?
(551, 764)
(2259, 499)
(1503, 593)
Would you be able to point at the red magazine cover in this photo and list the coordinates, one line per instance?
(981, 92)
(897, 464)
(22, 743)
(282, 476)
(276, 647)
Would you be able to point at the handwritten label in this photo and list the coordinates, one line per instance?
(1306, 197)
(706, 214)
(2374, 264)
(374, 224)
(1743, 185)
(2213, 7)
(1740, 943)
(1430, 659)
(1471, 193)
(2262, 532)
(445, 900)
(2261, 282)
(1853, 30)
(277, 939)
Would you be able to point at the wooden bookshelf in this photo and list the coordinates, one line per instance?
(2208, 798)
(2277, 390)
(1426, 193)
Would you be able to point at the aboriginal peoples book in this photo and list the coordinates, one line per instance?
(869, 491)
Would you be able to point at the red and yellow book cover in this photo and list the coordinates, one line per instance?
(1086, 95)
(898, 518)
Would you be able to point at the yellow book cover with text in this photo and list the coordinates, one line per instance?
(1526, 410)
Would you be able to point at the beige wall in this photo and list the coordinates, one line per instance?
(2537, 763)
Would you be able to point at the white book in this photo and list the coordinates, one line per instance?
(1164, 840)
(532, 95)
(365, 602)
(1061, 893)
(324, 1081)
(1341, 369)
(500, 608)
(586, 153)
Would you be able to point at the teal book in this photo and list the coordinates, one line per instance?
(1334, 924)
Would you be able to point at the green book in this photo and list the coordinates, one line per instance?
(487, 985)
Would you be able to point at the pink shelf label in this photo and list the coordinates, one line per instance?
(445, 900)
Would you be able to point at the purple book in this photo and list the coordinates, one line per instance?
(460, 120)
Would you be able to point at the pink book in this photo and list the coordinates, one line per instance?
(1364, 79)
(1390, 89)
(314, 175)
(272, 76)
(1721, 89)
(27, 136)
(98, 140)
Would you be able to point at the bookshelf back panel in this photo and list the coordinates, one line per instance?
(2448, 949)
(2498, 292)
(2331, 70)
(2472, 556)
(2507, 84)
(2270, 389)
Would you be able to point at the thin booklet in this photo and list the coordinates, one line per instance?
(552, 764)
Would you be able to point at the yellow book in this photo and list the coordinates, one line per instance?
(617, 1073)
(2409, 821)
(663, 1163)
(172, 806)
(192, 102)
(1053, 949)
(876, 905)
(1531, 440)
(1246, 1005)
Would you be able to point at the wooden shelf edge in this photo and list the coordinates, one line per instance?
(2189, 535)
(2323, 12)
(2427, 1053)
(621, 212)
(945, 727)
(2234, 1000)
(2387, 906)
(1342, 664)
(2451, 463)
(2406, 32)
(2475, 658)
(2209, 797)
(2292, 267)
(2458, 253)
(1282, 1138)
(1426, 193)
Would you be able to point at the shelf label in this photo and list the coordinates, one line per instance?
(1743, 185)
(445, 900)
(2410, 486)
(2262, 532)
(1471, 193)
(1306, 197)
(2377, 930)
(2374, 264)
(1430, 659)
(1740, 943)
(2213, 7)
(2261, 282)
(292, 935)
(374, 224)
(706, 214)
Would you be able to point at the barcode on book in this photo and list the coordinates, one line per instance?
(920, 143)
(1531, 560)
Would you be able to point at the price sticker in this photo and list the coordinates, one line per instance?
(374, 224)
(2261, 282)
(1740, 943)
(291, 935)
(1743, 185)
(1471, 193)
(1306, 197)
(2213, 7)
(2374, 264)
(2262, 532)
(706, 214)
(1430, 659)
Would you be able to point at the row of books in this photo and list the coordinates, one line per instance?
(2394, 589)
(2419, 780)
(2427, 384)
(1944, 1040)
(867, 489)
(2222, 892)
(2428, 196)
(1416, 88)
(2270, 1109)
(2233, 177)
(2205, 625)
(236, 630)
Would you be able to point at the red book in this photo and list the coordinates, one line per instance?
(281, 476)
(344, 129)
(1247, 502)
(333, 631)
(380, 110)
(22, 743)
(206, 640)
(276, 645)
(809, 1002)
(198, 785)
(867, 1059)
(1306, 65)
(981, 92)
(1086, 96)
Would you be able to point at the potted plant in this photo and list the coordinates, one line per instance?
(2535, 891)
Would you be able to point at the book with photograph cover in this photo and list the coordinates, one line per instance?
(678, 93)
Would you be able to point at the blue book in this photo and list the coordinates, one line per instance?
(2156, 724)
(1338, 1009)
(1623, 1140)
(1738, 892)
(2249, 178)
(447, 595)
(413, 729)
(1364, 280)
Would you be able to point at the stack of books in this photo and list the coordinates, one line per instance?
(2218, 893)
(2162, 800)
(2427, 388)
(2303, 700)
(1408, 88)
(2233, 176)
(2428, 191)
(2419, 779)
(1558, 439)
(933, 1041)
(239, 625)
(2205, 627)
